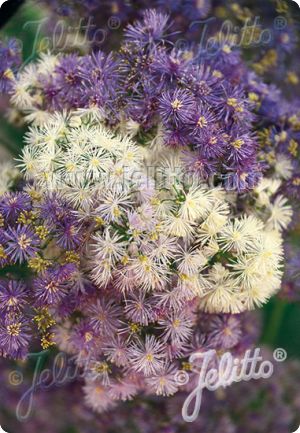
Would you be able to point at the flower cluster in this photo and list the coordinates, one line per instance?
(160, 249)
(195, 101)
(152, 233)
(158, 183)
(33, 240)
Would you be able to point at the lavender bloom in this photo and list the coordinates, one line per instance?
(14, 336)
(22, 243)
(83, 337)
(176, 107)
(51, 287)
(13, 296)
(12, 204)
(104, 316)
(151, 29)
(170, 66)
(61, 220)
(225, 331)
(68, 79)
(10, 61)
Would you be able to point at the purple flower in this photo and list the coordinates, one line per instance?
(67, 234)
(202, 120)
(100, 67)
(149, 30)
(234, 106)
(12, 204)
(199, 165)
(104, 316)
(203, 84)
(225, 331)
(212, 143)
(243, 178)
(14, 336)
(169, 66)
(13, 295)
(51, 287)
(59, 217)
(241, 148)
(68, 78)
(83, 336)
(176, 137)
(10, 60)
(22, 243)
(176, 107)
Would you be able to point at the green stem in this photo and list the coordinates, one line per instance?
(274, 323)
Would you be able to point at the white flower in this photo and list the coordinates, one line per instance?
(107, 247)
(238, 234)
(190, 261)
(147, 357)
(8, 174)
(222, 293)
(197, 203)
(113, 205)
(177, 226)
(280, 214)
(163, 382)
(283, 167)
(214, 222)
(47, 63)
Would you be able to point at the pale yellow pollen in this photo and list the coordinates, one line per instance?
(88, 336)
(187, 366)
(217, 74)
(293, 147)
(149, 357)
(253, 97)
(244, 176)
(102, 367)
(232, 102)
(24, 242)
(8, 74)
(14, 329)
(162, 381)
(226, 49)
(12, 301)
(292, 78)
(227, 331)
(281, 137)
(176, 104)
(134, 328)
(285, 38)
(238, 143)
(52, 287)
(236, 236)
(119, 171)
(296, 181)
(116, 211)
(95, 162)
(176, 323)
(3, 255)
(70, 167)
(202, 122)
